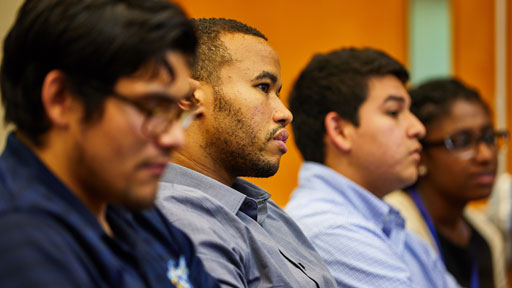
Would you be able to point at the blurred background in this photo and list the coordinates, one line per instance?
(469, 39)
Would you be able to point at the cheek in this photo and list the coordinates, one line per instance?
(257, 115)
(448, 171)
(117, 137)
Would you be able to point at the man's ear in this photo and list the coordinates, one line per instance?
(202, 94)
(56, 98)
(338, 131)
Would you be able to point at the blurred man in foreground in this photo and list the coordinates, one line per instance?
(93, 88)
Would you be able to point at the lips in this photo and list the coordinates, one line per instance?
(484, 178)
(416, 153)
(155, 168)
(281, 137)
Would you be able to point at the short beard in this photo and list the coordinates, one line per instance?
(232, 143)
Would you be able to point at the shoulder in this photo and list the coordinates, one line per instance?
(39, 250)
(186, 204)
(318, 215)
(220, 237)
(213, 228)
(30, 225)
(414, 221)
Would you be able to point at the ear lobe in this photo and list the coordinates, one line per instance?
(56, 98)
(338, 131)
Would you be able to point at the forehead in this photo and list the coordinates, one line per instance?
(380, 88)
(462, 115)
(250, 55)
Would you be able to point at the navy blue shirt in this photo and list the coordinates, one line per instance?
(50, 239)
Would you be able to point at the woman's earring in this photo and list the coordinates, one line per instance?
(422, 170)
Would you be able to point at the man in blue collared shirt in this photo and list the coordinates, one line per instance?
(360, 141)
(93, 88)
(243, 237)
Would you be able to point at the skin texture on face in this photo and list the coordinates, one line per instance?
(111, 160)
(385, 148)
(244, 119)
(460, 179)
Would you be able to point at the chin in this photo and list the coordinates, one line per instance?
(141, 198)
(409, 179)
(267, 170)
(480, 193)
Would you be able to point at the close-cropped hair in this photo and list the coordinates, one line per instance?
(432, 100)
(93, 43)
(212, 54)
(338, 82)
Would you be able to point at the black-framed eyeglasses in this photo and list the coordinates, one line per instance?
(160, 111)
(466, 140)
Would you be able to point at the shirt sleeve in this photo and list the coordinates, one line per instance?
(35, 254)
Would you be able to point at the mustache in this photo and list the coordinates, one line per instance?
(272, 133)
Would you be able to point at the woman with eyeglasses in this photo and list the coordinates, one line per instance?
(458, 165)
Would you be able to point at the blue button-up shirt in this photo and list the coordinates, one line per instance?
(362, 239)
(243, 237)
(50, 239)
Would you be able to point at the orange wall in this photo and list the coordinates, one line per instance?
(296, 30)
(473, 44)
(509, 94)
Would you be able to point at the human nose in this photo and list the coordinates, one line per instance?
(282, 115)
(173, 137)
(416, 128)
(484, 152)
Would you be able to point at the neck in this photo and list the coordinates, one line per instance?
(53, 153)
(446, 214)
(204, 164)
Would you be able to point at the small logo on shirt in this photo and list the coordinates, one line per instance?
(178, 273)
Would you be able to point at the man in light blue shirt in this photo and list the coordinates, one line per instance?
(353, 127)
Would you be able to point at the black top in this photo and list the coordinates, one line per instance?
(459, 260)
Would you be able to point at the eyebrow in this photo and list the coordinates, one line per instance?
(266, 75)
(395, 98)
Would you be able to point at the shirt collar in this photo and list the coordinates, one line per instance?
(336, 185)
(241, 196)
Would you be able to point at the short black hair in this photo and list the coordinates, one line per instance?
(432, 100)
(212, 54)
(93, 42)
(336, 81)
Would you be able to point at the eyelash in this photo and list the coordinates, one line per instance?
(393, 113)
(266, 89)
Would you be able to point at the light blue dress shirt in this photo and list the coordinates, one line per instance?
(362, 239)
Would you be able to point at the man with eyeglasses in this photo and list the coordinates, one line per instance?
(458, 165)
(360, 141)
(244, 238)
(94, 89)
